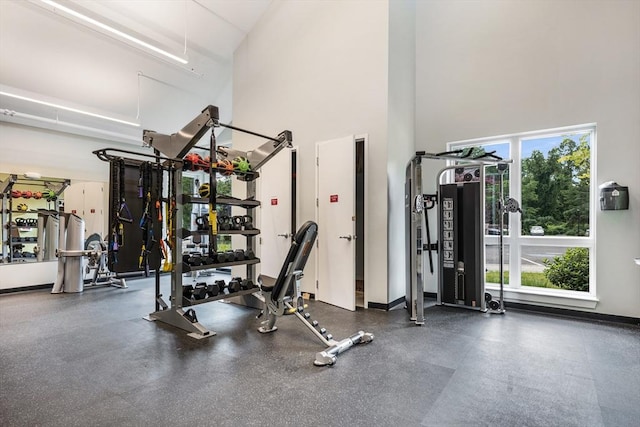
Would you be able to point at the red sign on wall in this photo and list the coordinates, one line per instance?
(93, 211)
(73, 211)
(274, 202)
(333, 198)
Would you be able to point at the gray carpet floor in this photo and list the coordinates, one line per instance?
(90, 359)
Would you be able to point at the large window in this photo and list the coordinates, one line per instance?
(549, 248)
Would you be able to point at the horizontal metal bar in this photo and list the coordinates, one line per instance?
(251, 132)
(102, 155)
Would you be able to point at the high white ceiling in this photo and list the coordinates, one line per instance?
(49, 55)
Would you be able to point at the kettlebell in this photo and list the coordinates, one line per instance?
(247, 222)
(237, 223)
(224, 223)
(202, 222)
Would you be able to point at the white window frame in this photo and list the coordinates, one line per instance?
(526, 294)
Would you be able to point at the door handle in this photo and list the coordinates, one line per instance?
(345, 237)
(285, 235)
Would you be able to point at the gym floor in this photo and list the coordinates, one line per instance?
(90, 359)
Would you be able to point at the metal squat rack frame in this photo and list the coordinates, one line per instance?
(7, 209)
(170, 151)
(416, 205)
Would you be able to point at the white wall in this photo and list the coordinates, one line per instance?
(401, 139)
(52, 154)
(494, 67)
(319, 69)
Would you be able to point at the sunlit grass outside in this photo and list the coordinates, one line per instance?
(537, 280)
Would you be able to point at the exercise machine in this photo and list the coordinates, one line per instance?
(278, 298)
(460, 221)
(70, 255)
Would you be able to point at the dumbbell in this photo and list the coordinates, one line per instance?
(193, 259)
(249, 254)
(231, 256)
(247, 284)
(207, 260)
(222, 257)
(213, 289)
(200, 290)
(234, 285)
(221, 286)
(187, 291)
(239, 255)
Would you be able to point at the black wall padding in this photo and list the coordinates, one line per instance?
(127, 257)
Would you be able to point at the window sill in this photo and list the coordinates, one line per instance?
(548, 298)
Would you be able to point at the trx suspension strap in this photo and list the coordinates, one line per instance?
(159, 176)
(170, 216)
(119, 210)
(146, 221)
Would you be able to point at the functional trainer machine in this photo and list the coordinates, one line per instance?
(275, 292)
(460, 222)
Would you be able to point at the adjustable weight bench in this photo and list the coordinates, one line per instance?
(275, 293)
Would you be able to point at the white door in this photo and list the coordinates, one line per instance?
(87, 200)
(274, 193)
(336, 209)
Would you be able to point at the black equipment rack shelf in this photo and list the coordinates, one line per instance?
(222, 200)
(186, 233)
(7, 212)
(186, 268)
(189, 302)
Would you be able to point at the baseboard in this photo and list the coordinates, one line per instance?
(129, 276)
(388, 306)
(393, 304)
(574, 313)
(26, 288)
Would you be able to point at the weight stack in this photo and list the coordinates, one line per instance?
(461, 279)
